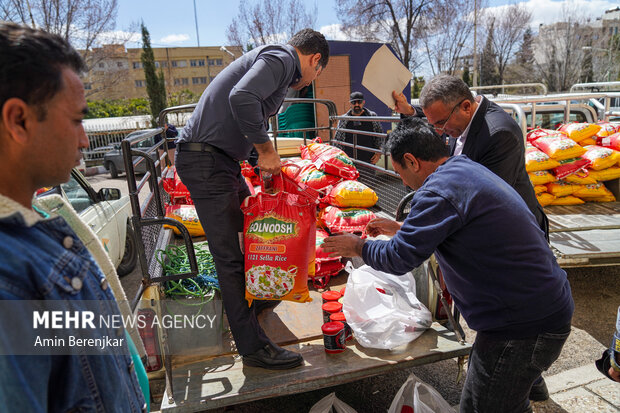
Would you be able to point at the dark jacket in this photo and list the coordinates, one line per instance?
(495, 140)
(496, 263)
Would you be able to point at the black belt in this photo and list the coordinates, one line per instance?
(199, 147)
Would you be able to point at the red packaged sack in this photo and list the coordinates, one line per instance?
(612, 141)
(345, 219)
(304, 171)
(279, 244)
(330, 160)
(179, 194)
(570, 166)
(248, 171)
(326, 266)
(538, 133)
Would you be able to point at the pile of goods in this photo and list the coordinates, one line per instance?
(181, 207)
(568, 166)
(343, 201)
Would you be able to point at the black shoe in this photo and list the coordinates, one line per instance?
(274, 358)
(262, 305)
(539, 391)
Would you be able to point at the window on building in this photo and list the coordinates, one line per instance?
(179, 63)
(119, 64)
(101, 65)
(140, 83)
(216, 62)
(88, 86)
(182, 81)
(197, 62)
(199, 80)
(161, 63)
(137, 65)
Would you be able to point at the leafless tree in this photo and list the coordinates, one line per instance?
(393, 21)
(445, 32)
(509, 23)
(558, 50)
(269, 21)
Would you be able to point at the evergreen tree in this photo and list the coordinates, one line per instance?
(466, 76)
(155, 83)
(416, 88)
(488, 64)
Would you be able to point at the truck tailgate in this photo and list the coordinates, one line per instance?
(207, 383)
(585, 235)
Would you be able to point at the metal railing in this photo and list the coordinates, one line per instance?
(540, 86)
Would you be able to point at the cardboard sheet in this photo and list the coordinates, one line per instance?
(385, 73)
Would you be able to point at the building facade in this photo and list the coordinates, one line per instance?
(117, 73)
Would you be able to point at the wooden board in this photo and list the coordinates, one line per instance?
(587, 234)
(223, 380)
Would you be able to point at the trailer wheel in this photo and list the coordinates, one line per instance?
(404, 206)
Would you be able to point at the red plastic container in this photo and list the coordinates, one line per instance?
(333, 337)
(339, 317)
(330, 308)
(331, 296)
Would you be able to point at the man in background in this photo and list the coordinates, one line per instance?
(358, 109)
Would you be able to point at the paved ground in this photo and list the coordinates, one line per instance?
(574, 383)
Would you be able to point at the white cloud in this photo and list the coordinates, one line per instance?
(550, 11)
(119, 37)
(334, 32)
(174, 38)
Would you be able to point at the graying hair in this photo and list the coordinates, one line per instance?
(445, 88)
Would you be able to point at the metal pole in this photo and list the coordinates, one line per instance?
(475, 79)
(196, 21)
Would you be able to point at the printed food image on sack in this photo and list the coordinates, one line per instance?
(279, 244)
(329, 159)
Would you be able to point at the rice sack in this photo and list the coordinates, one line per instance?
(345, 219)
(545, 198)
(580, 131)
(570, 166)
(186, 215)
(559, 147)
(561, 188)
(539, 189)
(539, 133)
(537, 160)
(279, 246)
(326, 266)
(351, 194)
(567, 200)
(592, 191)
(608, 174)
(607, 129)
(541, 177)
(600, 157)
(581, 178)
(612, 141)
(330, 159)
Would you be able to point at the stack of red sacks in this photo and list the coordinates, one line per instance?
(344, 201)
(180, 207)
(567, 166)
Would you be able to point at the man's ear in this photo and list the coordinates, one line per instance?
(16, 116)
(314, 60)
(411, 161)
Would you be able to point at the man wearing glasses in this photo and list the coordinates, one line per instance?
(483, 131)
(479, 129)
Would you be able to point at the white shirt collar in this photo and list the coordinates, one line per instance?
(460, 142)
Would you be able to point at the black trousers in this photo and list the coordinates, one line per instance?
(217, 188)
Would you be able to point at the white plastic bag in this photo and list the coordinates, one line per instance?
(331, 403)
(382, 309)
(416, 396)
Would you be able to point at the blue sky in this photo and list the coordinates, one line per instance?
(171, 23)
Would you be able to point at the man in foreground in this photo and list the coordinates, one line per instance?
(229, 121)
(358, 109)
(494, 258)
(42, 261)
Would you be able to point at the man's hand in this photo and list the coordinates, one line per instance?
(614, 374)
(401, 105)
(343, 245)
(268, 158)
(375, 158)
(382, 226)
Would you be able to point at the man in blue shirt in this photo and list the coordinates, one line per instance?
(43, 264)
(494, 258)
(230, 120)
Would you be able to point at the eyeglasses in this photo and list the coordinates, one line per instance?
(441, 125)
(356, 102)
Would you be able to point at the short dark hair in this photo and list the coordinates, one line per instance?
(32, 63)
(445, 88)
(309, 41)
(415, 136)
